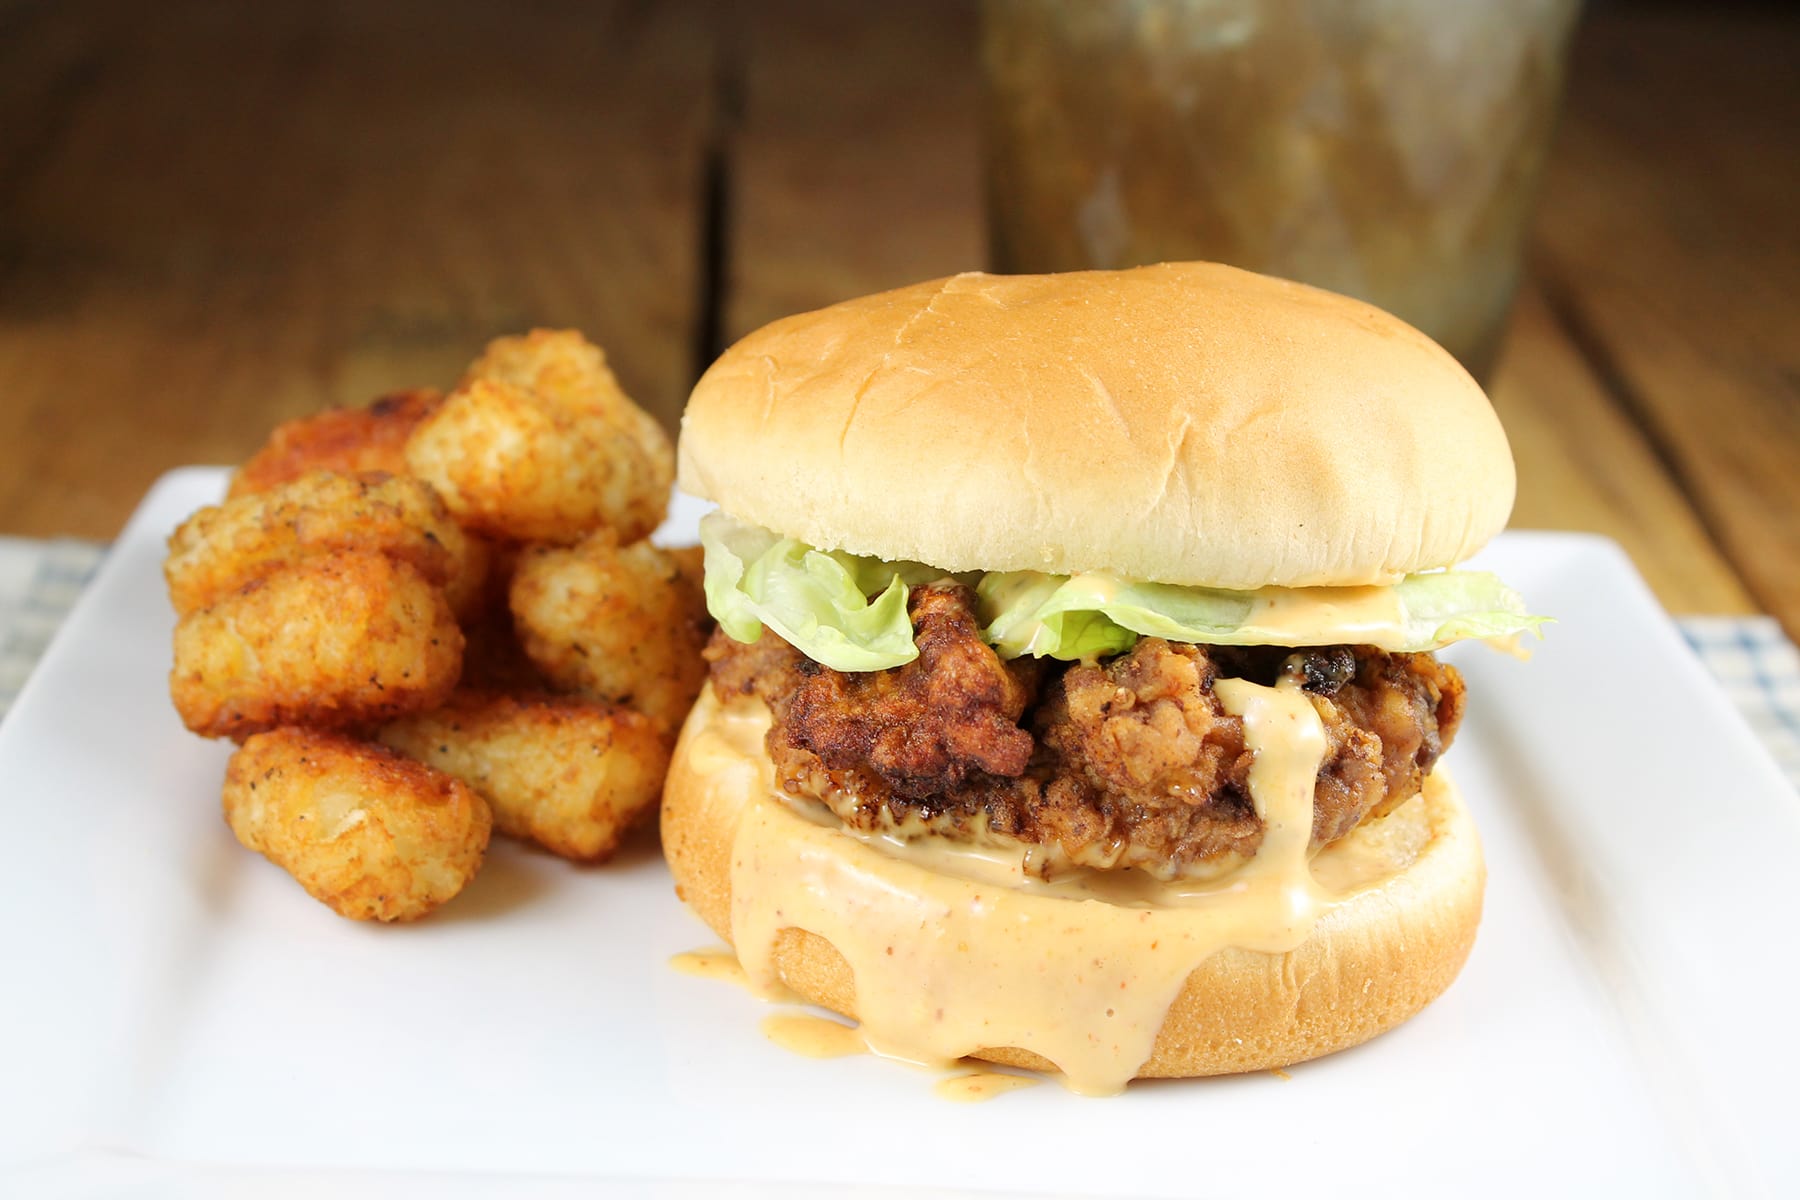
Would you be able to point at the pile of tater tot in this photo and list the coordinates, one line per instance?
(436, 617)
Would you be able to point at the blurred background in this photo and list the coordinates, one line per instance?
(215, 216)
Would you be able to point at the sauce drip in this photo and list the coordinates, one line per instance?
(813, 1037)
(1513, 645)
(711, 964)
(981, 1086)
(945, 967)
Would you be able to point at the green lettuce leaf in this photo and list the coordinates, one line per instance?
(842, 610)
(1094, 614)
(1023, 619)
(849, 612)
(1456, 605)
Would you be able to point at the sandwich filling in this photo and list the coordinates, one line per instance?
(1076, 720)
(1128, 761)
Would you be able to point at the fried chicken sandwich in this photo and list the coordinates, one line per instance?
(1074, 703)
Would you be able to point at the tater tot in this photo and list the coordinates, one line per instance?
(372, 834)
(221, 548)
(563, 367)
(346, 639)
(621, 625)
(569, 774)
(560, 364)
(372, 438)
(511, 463)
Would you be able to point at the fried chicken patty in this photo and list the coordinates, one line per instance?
(1127, 762)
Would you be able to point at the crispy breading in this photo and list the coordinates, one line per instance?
(572, 775)
(373, 834)
(545, 463)
(222, 547)
(345, 639)
(622, 625)
(926, 726)
(372, 438)
(1129, 762)
(1164, 765)
(1411, 704)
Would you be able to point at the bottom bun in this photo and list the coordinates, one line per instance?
(1381, 953)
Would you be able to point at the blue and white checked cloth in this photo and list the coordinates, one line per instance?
(1750, 656)
(39, 583)
(1758, 667)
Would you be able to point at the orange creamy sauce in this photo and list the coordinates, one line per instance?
(982, 1085)
(1329, 616)
(821, 1037)
(949, 959)
(813, 1037)
(710, 964)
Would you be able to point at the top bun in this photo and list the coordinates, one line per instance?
(1187, 423)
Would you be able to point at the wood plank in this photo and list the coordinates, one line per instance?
(242, 213)
(1669, 244)
(1584, 464)
(855, 166)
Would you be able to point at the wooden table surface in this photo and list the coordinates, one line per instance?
(217, 216)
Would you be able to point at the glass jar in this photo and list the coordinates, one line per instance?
(1387, 149)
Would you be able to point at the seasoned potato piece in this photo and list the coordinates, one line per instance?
(621, 625)
(221, 548)
(372, 834)
(511, 463)
(539, 443)
(559, 364)
(372, 438)
(350, 638)
(569, 774)
(564, 368)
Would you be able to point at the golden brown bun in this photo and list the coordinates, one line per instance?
(1188, 423)
(1373, 961)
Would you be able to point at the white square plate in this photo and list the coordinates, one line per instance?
(177, 1017)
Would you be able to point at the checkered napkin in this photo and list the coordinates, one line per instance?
(1760, 670)
(1750, 656)
(39, 582)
